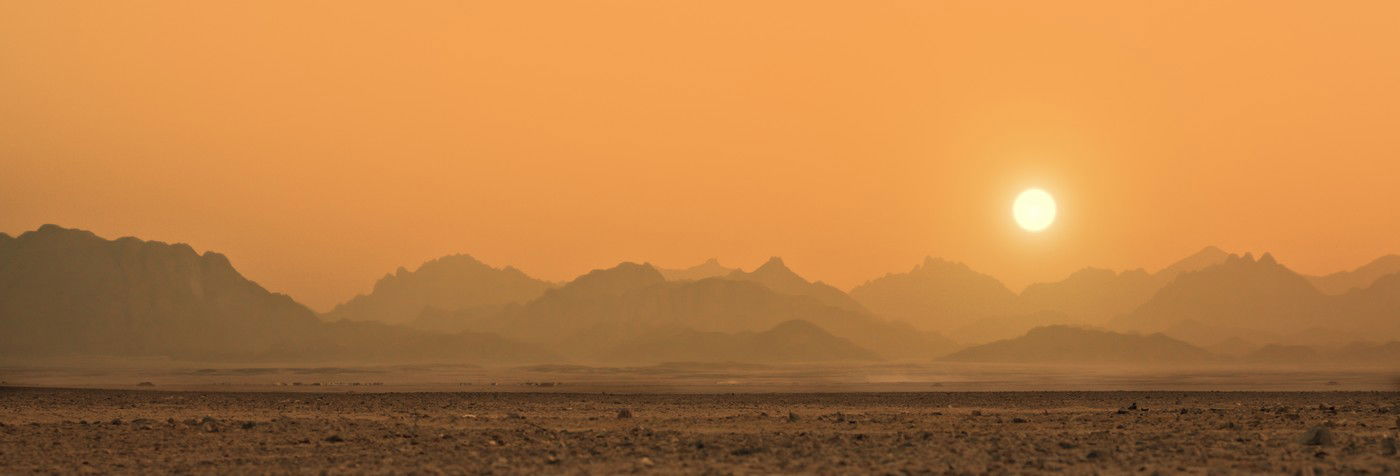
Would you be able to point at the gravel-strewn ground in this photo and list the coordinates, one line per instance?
(123, 431)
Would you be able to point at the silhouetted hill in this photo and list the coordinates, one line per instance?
(1374, 310)
(1095, 296)
(621, 279)
(776, 276)
(988, 329)
(1205, 258)
(1091, 295)
(1241, 292)
(66, 291)
(709, 269)
(936, 294)
(1343, 282)
(587, 321)
(449, 283)
(973, 308)
(790, 341)
(70, 292)
(1071, 344)
(1211, 335)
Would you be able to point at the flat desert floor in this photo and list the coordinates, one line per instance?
(48, 430)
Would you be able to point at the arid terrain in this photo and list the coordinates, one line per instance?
(136, 431)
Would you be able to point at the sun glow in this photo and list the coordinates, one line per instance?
(1034, 210)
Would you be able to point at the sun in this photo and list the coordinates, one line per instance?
(1034, 210)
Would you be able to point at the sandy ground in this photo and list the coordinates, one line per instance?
(142, 431)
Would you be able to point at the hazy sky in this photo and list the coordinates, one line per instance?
(322, 144)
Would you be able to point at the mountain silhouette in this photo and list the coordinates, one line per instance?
(585, 320)
(1373, 311)
(1078, 345)
(1342, 282)
(777, 276)
(1241, 292)
(449, 283)
(790, 341)
(70, 292)
(972, 307)
(709, 269)
(1205, 258)
(1091, 295)
(1095, 296)
(616, 281)
(65, 291)
(988, 329)
(936, 294)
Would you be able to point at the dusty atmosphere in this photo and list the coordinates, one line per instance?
(719, 237)
(133, 431)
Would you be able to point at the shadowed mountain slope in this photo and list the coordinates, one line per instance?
(936, 294)
(586, 320)
(1091, 295)
(1342, 282)
(1095, 296)
(449, 283)
(777, 276)
(66, 291)
(70, 292)
(1071, 344)
(1373, 311)
(1242, 292)
(709, 269)
(1205, 258)
(951, 297)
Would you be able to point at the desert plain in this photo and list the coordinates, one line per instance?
(244, 426)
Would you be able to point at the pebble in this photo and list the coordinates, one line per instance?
(1318, 436)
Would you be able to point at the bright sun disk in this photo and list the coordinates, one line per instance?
(1034, 210)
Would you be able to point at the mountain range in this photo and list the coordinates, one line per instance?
(1342, 282)
(615, 307)
(450, 283)
(709, 269)
(65, 292)
(1060, 344)
(973, 307)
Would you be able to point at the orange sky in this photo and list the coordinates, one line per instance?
(322, 144)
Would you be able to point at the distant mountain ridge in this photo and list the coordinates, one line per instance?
(709, 269)
(66, 291)
(777, 276)
(587, 320)
(1241, 292)
(936, 294)
(449, 283)
(1342, 282)
(973, 306)
(1067, 344)
(70, 292)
